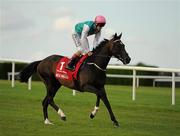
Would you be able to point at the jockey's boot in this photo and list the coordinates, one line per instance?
(71, 65)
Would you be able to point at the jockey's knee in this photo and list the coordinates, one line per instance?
(79, 53)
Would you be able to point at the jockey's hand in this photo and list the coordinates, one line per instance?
(89, 53)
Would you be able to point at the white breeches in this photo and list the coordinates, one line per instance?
(82, 45)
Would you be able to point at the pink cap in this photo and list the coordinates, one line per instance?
(100, 19)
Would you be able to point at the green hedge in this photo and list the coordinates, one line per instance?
(7, 67)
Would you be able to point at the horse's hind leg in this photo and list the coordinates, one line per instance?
(52, 86)
(52, 103)
(45, 106)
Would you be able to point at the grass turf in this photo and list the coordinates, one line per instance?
(150, 115)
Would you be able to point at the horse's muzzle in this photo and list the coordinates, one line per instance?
(126, 60)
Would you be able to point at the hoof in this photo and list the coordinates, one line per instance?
(116, 124)
(63, 118)
(91, 116)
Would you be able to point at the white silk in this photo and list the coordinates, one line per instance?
(84, 40)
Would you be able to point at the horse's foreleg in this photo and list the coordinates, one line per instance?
(108, 106)
(92, 89)
(96, 108)
(102, 95)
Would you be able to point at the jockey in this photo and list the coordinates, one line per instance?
(82, 31)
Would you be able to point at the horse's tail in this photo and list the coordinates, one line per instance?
(28, 71)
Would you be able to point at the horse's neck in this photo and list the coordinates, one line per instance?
(102, 58)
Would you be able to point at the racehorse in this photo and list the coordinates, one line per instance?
(91, 75)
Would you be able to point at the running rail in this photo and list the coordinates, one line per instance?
(135, 69)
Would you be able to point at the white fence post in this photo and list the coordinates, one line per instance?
(13, 74)
(29, 83)
(173, 88)
(134, 85)
(137, 82)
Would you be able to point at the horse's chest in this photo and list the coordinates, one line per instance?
(99, 78)
(92, 77)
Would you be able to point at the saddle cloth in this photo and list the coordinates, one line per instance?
(65, 74)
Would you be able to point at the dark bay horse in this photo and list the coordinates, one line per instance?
(91, 76)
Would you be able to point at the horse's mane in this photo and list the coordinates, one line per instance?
(99, 47)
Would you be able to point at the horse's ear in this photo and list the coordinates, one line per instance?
(106, 40)
(115, 35)
(120, 36)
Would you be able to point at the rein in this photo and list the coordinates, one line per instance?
(97, 66)
(104, 56)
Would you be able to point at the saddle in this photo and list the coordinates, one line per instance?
(65, 74)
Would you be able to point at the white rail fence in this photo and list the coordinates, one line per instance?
(134, 76)
(154, 78)
(135, 69)
(13, 73)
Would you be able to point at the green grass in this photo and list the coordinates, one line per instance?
(150, 115)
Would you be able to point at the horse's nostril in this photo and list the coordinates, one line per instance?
(129, 59)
